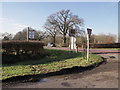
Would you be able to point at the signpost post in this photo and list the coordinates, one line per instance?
(89, 31)
(72, 33)
(27, 33)
(30, 34)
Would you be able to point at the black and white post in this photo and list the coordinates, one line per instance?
(27, 33)
(89, 31)
(72, 34)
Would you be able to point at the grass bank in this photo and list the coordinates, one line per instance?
(55, 60)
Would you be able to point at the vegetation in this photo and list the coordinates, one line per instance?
(109, 45)
(107, 48)
(22, 35)
(15, 51)
(6, 36)
(62, 22)
(103, 38)
(57, 26)
(54, 60)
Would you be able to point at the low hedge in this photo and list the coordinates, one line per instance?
(103, 45)
(21, 50)
(109, 45)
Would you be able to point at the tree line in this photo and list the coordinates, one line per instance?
(57, 28)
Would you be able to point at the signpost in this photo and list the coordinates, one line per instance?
(27, 33)
(30, 34)
(72, 34)
(89, 31)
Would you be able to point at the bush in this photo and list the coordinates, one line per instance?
(111, 45)
(13, 51)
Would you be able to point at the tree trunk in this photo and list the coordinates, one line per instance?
(54, 41)
(64, 38)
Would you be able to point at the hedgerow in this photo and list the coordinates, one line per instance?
(13, 51)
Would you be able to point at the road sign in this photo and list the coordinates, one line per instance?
(89, 31)
(72, 32)
(31, 34)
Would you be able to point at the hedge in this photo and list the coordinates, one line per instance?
(110, 45)
(20, 50)
(107, 45)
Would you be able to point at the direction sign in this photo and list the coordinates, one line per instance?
(31, 34)
(89, 31)
(72, 32)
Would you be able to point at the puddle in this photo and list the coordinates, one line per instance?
(36, 80)
(112, 57)
(42, 80)
(66, 84)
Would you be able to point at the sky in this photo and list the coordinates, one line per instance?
(101, 17)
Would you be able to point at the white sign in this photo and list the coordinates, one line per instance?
(31, 34)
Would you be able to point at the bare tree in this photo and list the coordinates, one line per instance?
(65, 20)
(6, 36)
(22, 35)
(41, 35)
(52, 30)
(103, 38)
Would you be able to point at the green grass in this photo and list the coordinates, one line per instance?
(55, 60)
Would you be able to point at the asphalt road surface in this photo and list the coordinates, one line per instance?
(103, 76)
(95, 51)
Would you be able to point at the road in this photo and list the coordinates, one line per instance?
(103, 76)
(95, 51)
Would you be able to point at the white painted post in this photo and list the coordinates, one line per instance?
(70, 44)
(89, 31)
(72, 39)
(87, 47)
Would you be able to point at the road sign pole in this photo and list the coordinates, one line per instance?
(87, 47)
(70, 45)
(89, 31)
(27, 33)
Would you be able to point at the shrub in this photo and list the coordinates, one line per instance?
(13, 51)
(111, 45)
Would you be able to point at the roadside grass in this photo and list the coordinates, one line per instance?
(54, 60)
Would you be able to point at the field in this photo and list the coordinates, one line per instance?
(54, 60)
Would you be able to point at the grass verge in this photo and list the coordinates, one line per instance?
(55, 60)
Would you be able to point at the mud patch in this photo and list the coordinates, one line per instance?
(112, 57)
(66, 84)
